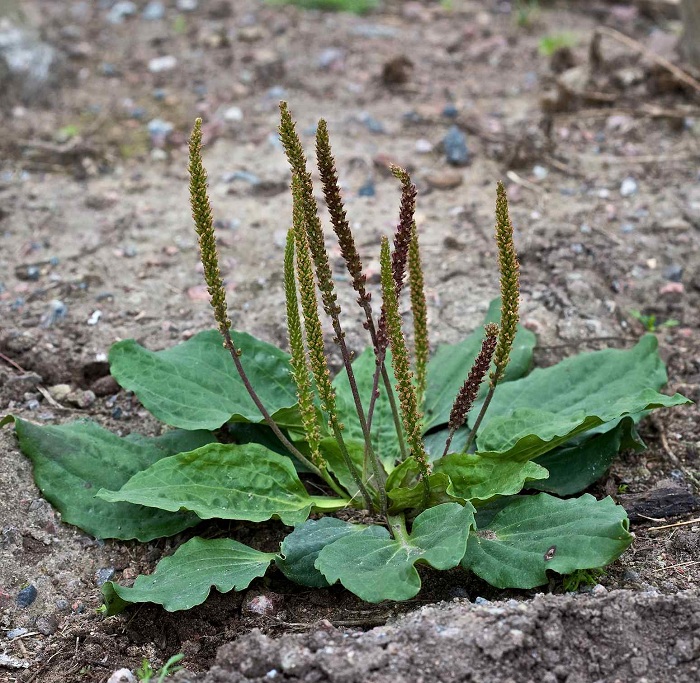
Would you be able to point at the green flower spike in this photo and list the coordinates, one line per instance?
(404, 377)
(298, 361)
(421, 345)
(510, 301)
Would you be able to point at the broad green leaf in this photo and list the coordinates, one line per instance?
(194, 385)
(383, 429)
(574, 468)
(73, 461)
(224, 481)
(548, 407)
(301, 548)
(184, 579)
(435, 442)
(474, 477)
(336, 463)
(376, 567)
(533, 534)
(450, 365)
(405, 490)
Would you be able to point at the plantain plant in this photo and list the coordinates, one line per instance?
(465, 458)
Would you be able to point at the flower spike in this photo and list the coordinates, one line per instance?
(421, 345)
(404, 376)
(298, 361)
(204, 225)
(467, 394)
(510, 284)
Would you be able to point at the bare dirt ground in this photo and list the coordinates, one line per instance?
(599, 150)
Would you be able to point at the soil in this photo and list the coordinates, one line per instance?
(599, 150)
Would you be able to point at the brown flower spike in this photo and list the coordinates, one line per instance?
(468, 393)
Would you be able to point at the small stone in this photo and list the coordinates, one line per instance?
(540, 172)
(16, 633)
(260, 604)
(104, 386)
(444, 180)
(57, 311)
(481, 601)
(122, 676)
(450, 111)
(598, 590)
(455, 146)
(672, 288)
(371, 124)
(187, 5)
(47, 624)
(82, 399)
(424, 146)
(27, 596)
(233, 114)
(331, 59)
(104, 574)
(159, 64)
(94, 317)
(674, 272)
(120, 11)
(60, 392)
(153, 11)
(628, 187)
(368, 189)
(62, 605)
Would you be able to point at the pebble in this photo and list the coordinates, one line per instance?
(450, 111)
(105, 386)
(47, 624)
(674, 272)
(187, 5)
(16, 633)
(331, 58)
(27, 596)
(260, 604)
(455, 146)
(444, 180)
(159, 64)
(122, 676)
(62, 605)
(104, 574)
(57, 311)
(424, 146)
(233, 114)
(480, 600)
(94, 317)
(153, 11)
(367, 190)
(120, 11)
(628, 187)
(540, 172)
(598, 590)
(372, 124)
(82, 399)
(59, 392)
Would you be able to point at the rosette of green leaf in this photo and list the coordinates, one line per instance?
(550, 406)
(74, 461)
(404, 377)
(186, 578)
(194, 385)
(376, 567)
(225, 481)
(419, 309)
(533, 534)
(450, 363)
